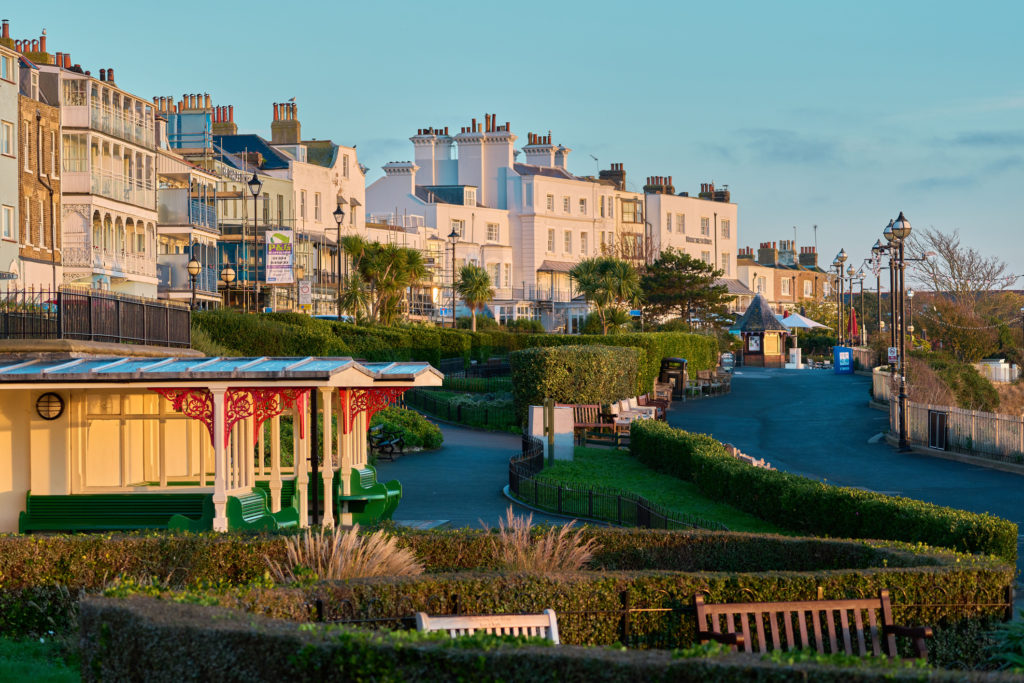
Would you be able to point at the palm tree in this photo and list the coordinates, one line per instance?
(606, 282)
(389, 270)
(355, 297)
(474, 286)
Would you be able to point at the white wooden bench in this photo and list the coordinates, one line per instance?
(540, 625)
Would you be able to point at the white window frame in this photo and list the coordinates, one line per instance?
(459, 226)
(583, 243)
(42, 214)
(551, 240)
(705, 256)
(681, 223)
(316, 207)
(726, 227)
(785, 287)
(493, 232)
(7, 138)
(302, 205)
(7, 222)
(28, 146)
(507, 267)
(668, 221)
(705, 225)
(808, 289)
(725, 264)
(566, 206)
(551, 202)
(567, 241)
(583, 205)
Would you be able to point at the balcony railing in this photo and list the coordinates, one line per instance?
(115, 123)
(120, 263)
(94, 316)
(119, 188)
(177, 207)
(172, 275)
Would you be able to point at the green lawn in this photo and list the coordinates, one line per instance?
(608, 468)
(31, 660)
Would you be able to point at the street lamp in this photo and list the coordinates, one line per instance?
(339, 218)
(300, 272)
(910, 309)
(900, 230)
(193, 269)
(890, 239)
(227, 274)
(255, 186)
(1022, 326)
(453, 238)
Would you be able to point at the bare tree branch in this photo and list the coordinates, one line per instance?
(958, 272)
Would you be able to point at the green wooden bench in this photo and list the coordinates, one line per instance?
(109, 511)
(370, 500)
(251, 512)
(385, 442)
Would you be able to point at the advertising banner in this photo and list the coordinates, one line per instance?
(843, 358)
(279, 257)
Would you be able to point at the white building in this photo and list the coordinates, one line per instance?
(108, 184)
(11, 152)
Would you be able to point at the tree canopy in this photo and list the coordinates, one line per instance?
(474, 286)
(606, 283)
(678, 284)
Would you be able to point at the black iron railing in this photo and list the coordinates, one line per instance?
(610, 505)
(93, 316)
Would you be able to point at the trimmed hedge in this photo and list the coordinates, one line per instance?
(295, 334)
(812, 507)
(573, 374)
(149, 639)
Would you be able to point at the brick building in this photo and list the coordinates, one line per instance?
(39, 230)
(784, 276)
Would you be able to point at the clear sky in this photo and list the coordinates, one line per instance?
(839, 114)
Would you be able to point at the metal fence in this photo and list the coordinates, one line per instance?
(611, 505)
(456, 409)
(93, 316)
(972, 432)
(865, 358)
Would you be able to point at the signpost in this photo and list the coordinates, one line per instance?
(894, 355)
(279, 257)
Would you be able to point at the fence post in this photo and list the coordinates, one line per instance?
(590, 503)
(619, 506)
(624, 599)
(559, 499)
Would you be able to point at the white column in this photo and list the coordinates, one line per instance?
(262, 450)
(220, 464)
(328, 468)
(275, 463)
(249, 464)
(301, 477)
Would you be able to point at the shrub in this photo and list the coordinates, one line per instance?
(555, 550)
(573, 374)
(525, 325)
(148, 639)
(415, 430)
(1007, 645)
(491, 410)
(336, 555)
(809, 506)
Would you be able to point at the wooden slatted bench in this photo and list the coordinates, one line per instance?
(543, 625)
(764, 626)
(108, 511)
(371, 500)
(250, 511)
(587, 421)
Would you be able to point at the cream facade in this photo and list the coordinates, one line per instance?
(12, 151)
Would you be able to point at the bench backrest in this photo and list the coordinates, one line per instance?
(854, 627)
(540, 625)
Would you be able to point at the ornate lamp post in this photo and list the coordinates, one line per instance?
(339, 218)
(193, 269)
(300, 272)
(901, 231)
(227, 274)
(453, 238)
(890, 238)
(255, 186)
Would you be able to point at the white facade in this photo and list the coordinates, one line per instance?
(702, 228)
(12, 151)
(108, 182)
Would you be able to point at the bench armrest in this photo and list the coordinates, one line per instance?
(916, 633)
(734, 639)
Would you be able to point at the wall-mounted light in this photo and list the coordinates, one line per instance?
(50, 406)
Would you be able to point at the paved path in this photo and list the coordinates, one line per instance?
(461, 482)
(817, 423)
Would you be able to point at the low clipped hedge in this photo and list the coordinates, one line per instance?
(295, 334)
(812, 507)
(573, 374)
(416, 431)
(149, 639)
(42, 579)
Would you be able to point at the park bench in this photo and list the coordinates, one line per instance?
(662, 406)
(385, 442)
(250, 511)
(370, 501)
(108, 511)
(543, 625)
(745, 626)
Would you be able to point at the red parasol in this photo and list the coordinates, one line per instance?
(853, 329)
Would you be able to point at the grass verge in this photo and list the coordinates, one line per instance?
(32, 660)
(615, 469)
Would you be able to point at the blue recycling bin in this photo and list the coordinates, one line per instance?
(842, 360)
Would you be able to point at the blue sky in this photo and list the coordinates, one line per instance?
(834, 114)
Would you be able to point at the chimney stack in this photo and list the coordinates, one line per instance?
(103, 74)
(110, 75)
(285, 129)
(6, 30)
(42, 41)
(616, 174)
(808, 257)
(768, 255)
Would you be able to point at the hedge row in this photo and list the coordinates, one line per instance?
(149, 639)
(43, 577)
(812, 507)
(294, 334)
(573, 374)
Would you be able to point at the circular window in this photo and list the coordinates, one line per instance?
(50, 406)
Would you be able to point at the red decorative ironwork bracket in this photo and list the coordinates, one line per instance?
(238, 405)
(370, 401)
(195, 403)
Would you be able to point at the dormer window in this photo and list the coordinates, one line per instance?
(470, 197)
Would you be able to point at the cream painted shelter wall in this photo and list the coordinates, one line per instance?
(14, 458)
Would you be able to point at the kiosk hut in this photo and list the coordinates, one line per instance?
(193, 443)
(762, 335)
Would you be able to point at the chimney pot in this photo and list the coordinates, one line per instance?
(67, 60)
(110, 75)
(275, 112)
(6, 30)
(59, 59)
(35, 46)
(206, 101)
(231, 113)
(42, 41)
(103, 74)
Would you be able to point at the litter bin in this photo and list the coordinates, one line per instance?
(674, 370)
